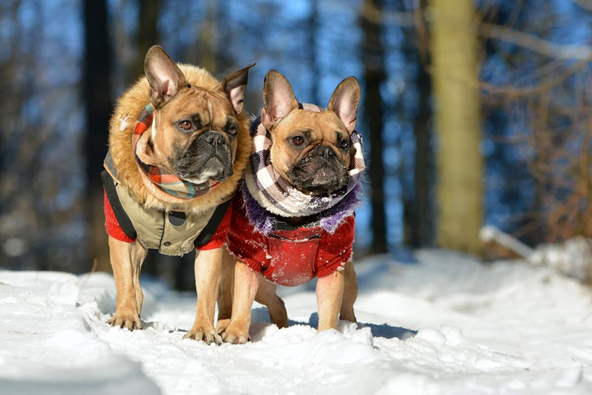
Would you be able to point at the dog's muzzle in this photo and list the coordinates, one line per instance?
(320, 172)
(209, 157)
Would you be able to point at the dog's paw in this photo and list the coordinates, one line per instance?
(201, 334)
(235, 336)
(130, 321)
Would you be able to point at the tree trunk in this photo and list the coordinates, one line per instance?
(97, 97)
(374, 76)
(457, 119)
(420, 234)
(208, 38)
(147, 34)
(313, 38)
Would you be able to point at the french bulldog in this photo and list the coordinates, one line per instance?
(306, 161)
(178, 147)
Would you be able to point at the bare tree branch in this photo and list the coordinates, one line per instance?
(486, 30)
(585, 4)
(374, 15)
(543, 47)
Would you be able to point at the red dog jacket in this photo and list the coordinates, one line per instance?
(290, 257)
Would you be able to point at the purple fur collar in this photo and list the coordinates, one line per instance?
(329, 220)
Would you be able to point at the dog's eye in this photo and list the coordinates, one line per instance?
(231, 126)
(344, 144)
(186, 125)
(297, 140)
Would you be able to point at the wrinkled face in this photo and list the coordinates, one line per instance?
(195, 130)
(196, 134)
(312, 151)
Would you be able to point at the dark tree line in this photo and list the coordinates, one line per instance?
(56, 118)
(374, 78)
(98, 106)
(99, 100)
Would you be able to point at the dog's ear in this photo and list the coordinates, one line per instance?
(278, 99)
(235, 86)
(164, 77)
(344, 102)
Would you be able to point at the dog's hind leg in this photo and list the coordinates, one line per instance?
(350, 293)
(126, 260)
(225, 292)
(267, 296)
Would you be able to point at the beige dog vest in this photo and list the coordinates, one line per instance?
(165, 231)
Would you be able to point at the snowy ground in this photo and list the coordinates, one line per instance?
(500, 329)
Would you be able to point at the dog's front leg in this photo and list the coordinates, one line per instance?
(246, 283)
(126, 260)
(208, 269)
(350, 293)
(329, 298)
(225, 291)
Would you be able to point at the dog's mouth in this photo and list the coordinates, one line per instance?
(319, 176)
(213, 168)
(204, 162)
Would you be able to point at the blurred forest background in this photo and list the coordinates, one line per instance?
(474, 112)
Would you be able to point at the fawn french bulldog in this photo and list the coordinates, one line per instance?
(293, 219)
(178, 147)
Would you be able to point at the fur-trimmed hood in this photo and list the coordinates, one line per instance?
(128, 109)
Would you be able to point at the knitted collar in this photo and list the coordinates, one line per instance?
(329, 220)
(154, 176)
(276, 194)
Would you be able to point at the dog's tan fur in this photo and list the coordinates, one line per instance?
(322, 125)
(127, 258)
(336, 293)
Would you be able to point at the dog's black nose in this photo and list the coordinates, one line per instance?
(214, 138)
(325, 151)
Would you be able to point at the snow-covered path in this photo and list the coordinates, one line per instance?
(473, 329)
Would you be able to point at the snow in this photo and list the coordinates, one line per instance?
(572, 257)
(444, 324)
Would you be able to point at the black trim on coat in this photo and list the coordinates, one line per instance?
(124, 222)
(212, 225)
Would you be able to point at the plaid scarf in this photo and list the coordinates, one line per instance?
(276, 194)
(166, 181)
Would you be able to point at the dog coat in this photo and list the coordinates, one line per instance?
(287, 255)
(169, 232)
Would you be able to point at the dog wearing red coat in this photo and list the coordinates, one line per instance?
(294, 217)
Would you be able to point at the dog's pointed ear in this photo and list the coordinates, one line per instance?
(278, 99)
(234, 86)
(164, 76)
(344, 102)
